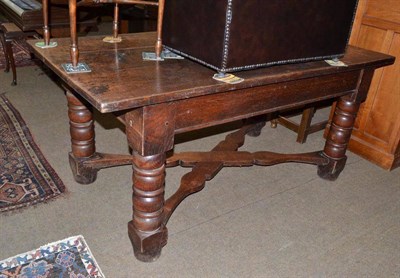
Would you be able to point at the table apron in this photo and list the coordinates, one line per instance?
(204, 111)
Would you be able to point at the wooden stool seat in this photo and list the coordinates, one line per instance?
(9, 32)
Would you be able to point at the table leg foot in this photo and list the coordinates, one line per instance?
(332, 170)
(256, 131)
(258, 124)
(82, 174)
(147, 246)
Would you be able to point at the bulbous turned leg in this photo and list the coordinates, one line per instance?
(338, 139)
(82, 140)
(147, 231)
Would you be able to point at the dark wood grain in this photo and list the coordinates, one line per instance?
(120, 66)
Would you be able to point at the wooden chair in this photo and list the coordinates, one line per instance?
(9, 32)
(73, 4)
(304, 128)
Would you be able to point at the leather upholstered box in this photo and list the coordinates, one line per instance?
(232, 35)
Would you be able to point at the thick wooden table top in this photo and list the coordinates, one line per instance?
(121, 80)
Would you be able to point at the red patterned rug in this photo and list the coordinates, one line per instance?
(26, 178)
(21, 53)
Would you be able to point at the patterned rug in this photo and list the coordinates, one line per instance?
(70, 258)
(26, 178)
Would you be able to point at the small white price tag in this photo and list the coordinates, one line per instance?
(336, 63)
(228, 78)
(111, 39)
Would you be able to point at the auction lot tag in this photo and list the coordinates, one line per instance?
(336, 63)
(111, 39)
(228, 78)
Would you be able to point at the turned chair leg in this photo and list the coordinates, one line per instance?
(11, 61)
(115, 21)
(159, 28)
(3, 44)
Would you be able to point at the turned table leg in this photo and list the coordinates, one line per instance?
(147, 230)
(82, 139)
(338, 138)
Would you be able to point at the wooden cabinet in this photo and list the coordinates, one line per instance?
(376, 135)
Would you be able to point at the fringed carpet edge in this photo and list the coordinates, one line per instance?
(42, 184)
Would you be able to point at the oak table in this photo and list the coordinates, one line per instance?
(156, 100)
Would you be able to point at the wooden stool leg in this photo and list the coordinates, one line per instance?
(12, 62)
(159, 28)
(74, 51)
(305, 123)
(3, 44)
(115, 21)
(46, 29)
